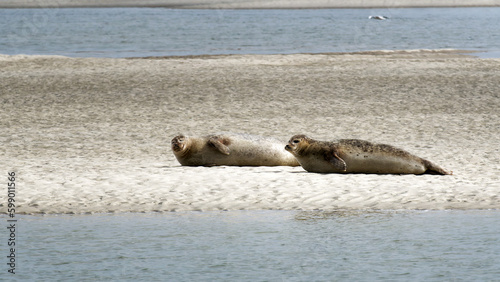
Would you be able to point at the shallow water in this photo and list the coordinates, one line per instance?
(138, 32)
(262, 246)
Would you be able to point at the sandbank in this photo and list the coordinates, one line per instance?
(92, 135)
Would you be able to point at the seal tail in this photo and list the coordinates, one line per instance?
(435, 169)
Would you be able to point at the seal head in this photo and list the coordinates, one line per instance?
(297, 144)
(180, 144)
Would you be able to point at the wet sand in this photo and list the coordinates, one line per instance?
(91, 135)
(246, 4)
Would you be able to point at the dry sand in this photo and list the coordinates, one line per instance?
(88, 135)
(246, 4)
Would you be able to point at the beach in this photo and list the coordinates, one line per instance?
(247, 4)
(92, 135)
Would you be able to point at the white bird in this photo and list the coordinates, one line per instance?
(378, 17)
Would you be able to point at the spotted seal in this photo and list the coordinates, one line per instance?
(231, 150)
(357, 156)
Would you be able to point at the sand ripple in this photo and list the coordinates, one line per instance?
(92, 135)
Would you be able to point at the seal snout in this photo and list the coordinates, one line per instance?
(291, 146)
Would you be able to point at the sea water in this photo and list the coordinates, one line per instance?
(260, 246)
(252, 245)
(139, 32)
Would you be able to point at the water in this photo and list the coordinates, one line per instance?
(139, 32)
(257, 245)
(261, 246)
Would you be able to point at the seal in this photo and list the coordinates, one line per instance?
(231, 149)
(357, 156)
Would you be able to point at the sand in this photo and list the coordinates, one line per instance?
(92, 135)
(246, 4)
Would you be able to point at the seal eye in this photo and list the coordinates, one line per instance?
(296, 141)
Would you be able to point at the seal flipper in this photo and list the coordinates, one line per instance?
(435, 169)
(215, 142)
(336, 161)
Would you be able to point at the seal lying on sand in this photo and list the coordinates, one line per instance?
(357, 156)
(231, 150)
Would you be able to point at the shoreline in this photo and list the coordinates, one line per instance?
(409, 52)
(243, 4)
(402, 52)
